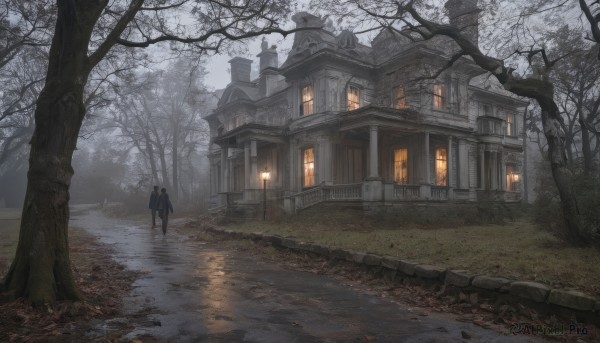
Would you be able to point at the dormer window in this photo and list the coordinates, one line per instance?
(307, 101)
(487, 110)
(439, 96)
(353, 98)
(236, 121)
(398, 97)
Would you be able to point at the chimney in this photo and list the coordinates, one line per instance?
(268, 56)
(240, 69)
(464, 14)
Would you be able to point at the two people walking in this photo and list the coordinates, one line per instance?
(159, 202)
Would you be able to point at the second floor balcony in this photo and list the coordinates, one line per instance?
(490, 126)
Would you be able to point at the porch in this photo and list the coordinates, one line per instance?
(389, 193)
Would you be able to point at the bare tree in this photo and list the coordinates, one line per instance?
(577, 81)
(588, 8)
(85, 33)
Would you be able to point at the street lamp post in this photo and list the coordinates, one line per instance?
(265, 175)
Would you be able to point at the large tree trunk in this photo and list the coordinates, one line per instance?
(41, 270)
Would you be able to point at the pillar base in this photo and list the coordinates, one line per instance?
(372, 190)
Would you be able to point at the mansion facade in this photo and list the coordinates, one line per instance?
(381, 124)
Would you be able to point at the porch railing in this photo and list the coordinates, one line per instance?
(343, 192)
(406, 192)
(322, 193)
(439, 193)
(309, 197)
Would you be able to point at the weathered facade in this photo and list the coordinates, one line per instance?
(385, 124)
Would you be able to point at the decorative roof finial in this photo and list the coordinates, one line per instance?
(264, 45)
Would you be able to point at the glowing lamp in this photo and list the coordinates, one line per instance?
(265, 175)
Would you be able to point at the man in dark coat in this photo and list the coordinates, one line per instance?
(164, 206)
(153, 204)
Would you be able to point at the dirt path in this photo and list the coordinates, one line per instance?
(202, 291)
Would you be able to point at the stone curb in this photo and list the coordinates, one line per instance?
(529, 290)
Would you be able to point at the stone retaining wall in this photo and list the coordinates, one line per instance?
(569, 304)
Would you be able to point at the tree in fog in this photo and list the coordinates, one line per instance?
(577, 81)
(84, 34)
(512, 27)
(160, 115)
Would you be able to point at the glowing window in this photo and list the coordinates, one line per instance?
(401, 165)
(308, 161)
(510, 124)
(439, 99)
(441, 167)
(307, 106)
(512, 178)
(399, 97)
(353, 98)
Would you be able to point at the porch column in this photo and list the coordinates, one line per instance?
(502, 172)
(463, 165)
(482, 167)
(450, 163)
(425, 162)
(373, 153)
(247, 165)
(224, 170)
(253, 165)
(292, 156)
(494, 170)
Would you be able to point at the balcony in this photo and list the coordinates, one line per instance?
(490, 126)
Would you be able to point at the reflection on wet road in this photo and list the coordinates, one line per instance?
(196, 291)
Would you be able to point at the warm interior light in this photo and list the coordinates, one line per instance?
(516, 177)
(311, 165)
(266, 175)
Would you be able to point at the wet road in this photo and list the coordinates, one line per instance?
(199, 292)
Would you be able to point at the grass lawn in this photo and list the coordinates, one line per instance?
(516, 250)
